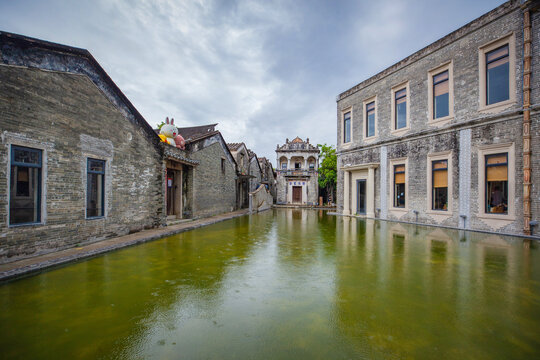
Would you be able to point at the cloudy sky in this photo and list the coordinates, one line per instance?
(264, 70)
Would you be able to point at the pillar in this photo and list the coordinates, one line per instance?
(346, 193)
(370, 208)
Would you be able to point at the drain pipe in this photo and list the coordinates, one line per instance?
(532, 225)
(416, 212)
(464, 217)
(378, 211)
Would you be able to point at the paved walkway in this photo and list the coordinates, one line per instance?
(39, 263)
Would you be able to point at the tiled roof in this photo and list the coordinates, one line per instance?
(196, 131)
(234, 146)
(297, 140)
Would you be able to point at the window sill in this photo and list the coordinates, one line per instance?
(497, 107)
(505, 217)
(370, 139)
(441, 121)
(447, 213)
(95, 218)
(399, 132)
(26, 224)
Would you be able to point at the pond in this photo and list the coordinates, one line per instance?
(285, 284)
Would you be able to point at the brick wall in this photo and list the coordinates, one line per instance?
(71, 119)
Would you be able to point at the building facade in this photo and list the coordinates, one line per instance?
(78, 162)
(297, 173)
(449, 135)
(268, 176)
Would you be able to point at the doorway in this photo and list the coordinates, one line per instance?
(361, 196)
(297, 194)
(174, 193)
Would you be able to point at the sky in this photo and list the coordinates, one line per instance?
(263, 70)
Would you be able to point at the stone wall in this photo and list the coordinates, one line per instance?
(213, 190)
(260, 200)
(70, 119)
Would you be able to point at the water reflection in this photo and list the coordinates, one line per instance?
(286, 284)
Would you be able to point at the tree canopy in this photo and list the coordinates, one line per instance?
(327, 167)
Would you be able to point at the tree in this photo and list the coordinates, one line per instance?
(161, 125)
(328, 170)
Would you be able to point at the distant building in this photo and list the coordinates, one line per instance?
(268, 176)
(297, 173)
(449, 135)
(248, 173)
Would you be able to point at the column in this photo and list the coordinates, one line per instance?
(305, 164)
(288, 163)
(346, 190)
(370, 208)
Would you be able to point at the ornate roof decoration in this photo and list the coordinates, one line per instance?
(297, 144)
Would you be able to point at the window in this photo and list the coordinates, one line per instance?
(497, 80)
(441, 94)
(497, 184)
(25, 185)
(439, 180)
(223, 165)
(284, 166)
(401, 109)
(399, 186)
(95, 194)
(497, 75)
(297, 165)
(496, 188)
(347, 127)
(370, 119)
(312, 166)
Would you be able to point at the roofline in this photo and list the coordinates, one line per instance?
(216, 132)
(455, 35)
(48, 45)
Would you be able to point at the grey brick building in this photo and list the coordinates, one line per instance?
(297, 173)
(79, 164)
(450, 134)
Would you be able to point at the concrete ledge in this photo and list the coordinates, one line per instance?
(528, 237)
(31, 266)
(293, 206)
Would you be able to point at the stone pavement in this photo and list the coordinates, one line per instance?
(40, 263)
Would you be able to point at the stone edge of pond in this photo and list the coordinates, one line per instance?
(19, 272)
(525, 237)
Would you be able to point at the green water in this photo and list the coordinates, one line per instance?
(287, 284)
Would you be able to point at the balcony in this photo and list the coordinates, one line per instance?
(297, 172)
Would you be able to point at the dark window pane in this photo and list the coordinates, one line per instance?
(25, 193)
(401, 113)
(96, 165)
(497, 75)
(496, 175)
(441, 103)
(371, 125)
(347, 127)
(26, 155)
(399, 186)
(440, 198)
(94, 197)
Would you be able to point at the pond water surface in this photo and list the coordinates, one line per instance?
(285, 284)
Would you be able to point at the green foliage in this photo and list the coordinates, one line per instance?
(161, 125)
(327, 167)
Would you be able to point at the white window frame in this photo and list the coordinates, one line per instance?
(364, 116)
(396, 88)
(509, 39)
(447, 66)
(444, 155)
(391, 207)
(489, 150)
(342, 137)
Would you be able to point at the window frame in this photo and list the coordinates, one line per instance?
(486, 166)
(398, 210)
(447, 66)
(492, 149)
(433, 157)
(41, 188)
(509, 40)
(396, 88)
(342, 137)
(367, 102)
(104, 172)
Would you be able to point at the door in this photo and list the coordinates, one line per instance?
(360, 196)
(170, 192)
(297, 194)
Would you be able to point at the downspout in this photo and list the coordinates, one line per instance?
(527, 57)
